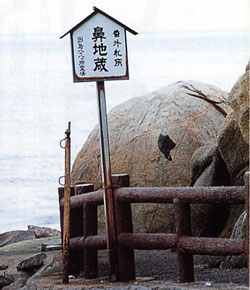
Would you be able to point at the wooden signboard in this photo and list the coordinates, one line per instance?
(99, 48)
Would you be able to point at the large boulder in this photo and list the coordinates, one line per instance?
(208, 168)
(190, 113)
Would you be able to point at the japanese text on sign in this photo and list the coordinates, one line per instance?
(99, 50)
(117, 51)
(81, 56)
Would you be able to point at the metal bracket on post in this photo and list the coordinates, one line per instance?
(107, 183)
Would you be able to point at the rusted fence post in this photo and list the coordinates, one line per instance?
(247, 197)
(66, 213)
(77, 230)
(76, 256)
(90, 229)
(61, 196)
(183, 228)
(126, 263)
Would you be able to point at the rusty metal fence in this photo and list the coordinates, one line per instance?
(85, 243)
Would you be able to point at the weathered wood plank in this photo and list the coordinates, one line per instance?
(147, 241)
(94, 242)
(230, 194)
(212, 246)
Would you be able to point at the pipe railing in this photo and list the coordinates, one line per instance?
(85, 243)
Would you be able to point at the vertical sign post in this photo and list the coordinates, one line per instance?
(99, 53)
(106, 180)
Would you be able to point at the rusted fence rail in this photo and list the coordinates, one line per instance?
(85, 242)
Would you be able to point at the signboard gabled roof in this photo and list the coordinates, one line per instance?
(96, 10)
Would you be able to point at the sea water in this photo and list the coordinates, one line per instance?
(38, 99)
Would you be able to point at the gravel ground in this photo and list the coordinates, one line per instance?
(154, 270)
(162, 266)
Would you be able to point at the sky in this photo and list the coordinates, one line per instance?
(58, 16)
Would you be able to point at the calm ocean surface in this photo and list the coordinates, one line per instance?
(38, 98)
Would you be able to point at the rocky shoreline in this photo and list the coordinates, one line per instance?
(36, 264)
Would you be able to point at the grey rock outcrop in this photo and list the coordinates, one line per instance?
(208, 168)
(10, 280)
(16, 281)
(239, 232)
(233, 149)
(16, 236)
(4, 281)
(239, 101)
(233, 140)
(31, 263)
(33, 232)
(3, 267)
(43, 232)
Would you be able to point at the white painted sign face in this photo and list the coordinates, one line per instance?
(99, 50)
